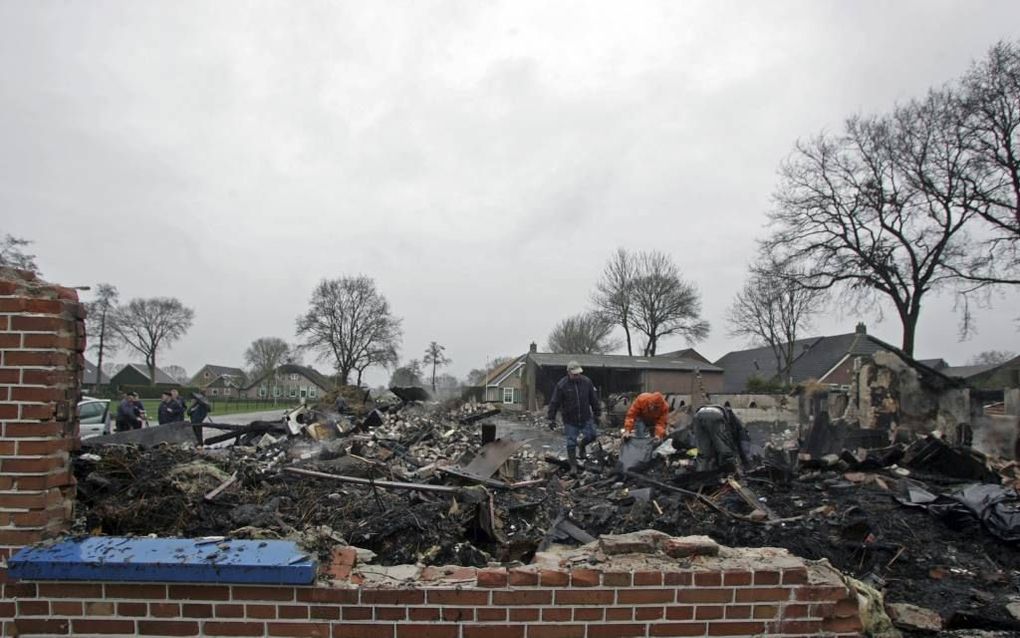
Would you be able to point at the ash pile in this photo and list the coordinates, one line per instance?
(928, 523)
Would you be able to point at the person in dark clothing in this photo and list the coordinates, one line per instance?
(128, 414)
(163, 413)
(575, 398)
(722, 439)
(197, 412)
(177, 407)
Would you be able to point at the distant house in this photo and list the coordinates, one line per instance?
(995, 376)
(290, 381)
(209, 374)
(827, 360)
(224, 385)
(138, 374)
(89, 374)
(616, 373)
(504, 383)
(687, 353)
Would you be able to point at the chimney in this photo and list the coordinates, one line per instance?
(533, 347)
(861, 328)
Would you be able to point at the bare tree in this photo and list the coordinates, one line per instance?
(384, 355)
(664, 304)
(771, 310)
(177, 373)
(349, 322)
(12, 254)
(99, 325)
(991, 357)
(435, 357)
(879, 212)
(148, 325)
(586, 333)
(265, 354)
(991, 133)
(614, 293)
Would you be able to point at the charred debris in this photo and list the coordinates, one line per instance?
(931, 524)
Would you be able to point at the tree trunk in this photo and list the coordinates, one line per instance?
(434, 364)
(909, 331)
(102, 336)
(359, 377)
(626, 331)
(151, 362)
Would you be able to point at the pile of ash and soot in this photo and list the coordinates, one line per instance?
(928, 524)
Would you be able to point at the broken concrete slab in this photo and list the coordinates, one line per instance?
(914, 618)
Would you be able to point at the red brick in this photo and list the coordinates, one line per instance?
(767, 578)
(458, 614)
(735, 628)
(459, 597)
(165, 610)
(821, 593)
(846, 607)
(324, 612)
(737, 579)
(616, 579)
(66, 608)
(738, 612)
(213, 628)
(375, 630)
(556, 614)
(585, 577)
(66, 342)
(795, 576)
(292, 611)
(199, 592)
(149, 592)
(556, 631)
(553, 578)
(765, 612)
(70, 590)
(707, 579)
(94, 608)
(493, 631)
(132, 609)
(682, 579)
(38, 324)
(524, 614)
(523, 577)
(388, 613)
(648, 613)
(704, 595)
(765, 594)
(39, 377)
(262, 612)
(619, 613)
(86, 626)
(645, 596)
(423, 613)
(243, 592)
(796, 611)
(34, 608)
(800, 626)
(489, 614)
(616, 631)
(428, 631)
(24, 626)
(588, 613)
(327, 595)
(230, 611)
(168, 628)
(196, 610)
(527, 597)
(13, 304)
(43, 306)
(647, 579)
(677, 629)
(313, 630)
(356, 613)
(584, 597)
(18, 358)
(709, 612)
(33, 430)
(393, 597)
(492, 578)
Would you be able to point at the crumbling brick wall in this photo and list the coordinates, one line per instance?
(42, 338)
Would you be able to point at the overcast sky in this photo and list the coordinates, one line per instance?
(480, 160)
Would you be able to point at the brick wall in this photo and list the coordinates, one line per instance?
(42, 338)
(497, 603)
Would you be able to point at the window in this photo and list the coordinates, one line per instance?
(304, 393)
(262, 391)
(215, 391)
(508, 395)
(293, 393)
(276, 391)
(311, 393)
(205, 375)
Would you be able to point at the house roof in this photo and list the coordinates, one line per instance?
(966, 372)
(686, 353)
(90, 373)
(311, 374)
(814, 358)
(162, 378)
(934, 364)
(224, 381)
(218, 371)
(621, 361)
(494, 377)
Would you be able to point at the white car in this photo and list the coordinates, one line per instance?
(94, 417)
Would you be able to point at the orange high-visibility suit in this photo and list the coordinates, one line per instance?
(650, 407)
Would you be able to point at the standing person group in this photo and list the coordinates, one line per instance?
(130, 413)
(171, 407)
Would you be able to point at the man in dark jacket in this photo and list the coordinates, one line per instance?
(129, 417)
(176, 407)
(722, 439)
(575, 398)
(163, 413)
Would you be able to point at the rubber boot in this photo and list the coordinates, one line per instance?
(572, 459)
(581, 454)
